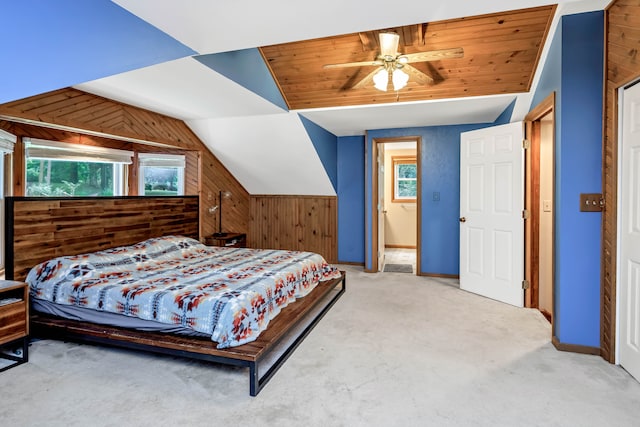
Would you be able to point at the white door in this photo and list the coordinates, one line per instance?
(491, 203)
(629, 252)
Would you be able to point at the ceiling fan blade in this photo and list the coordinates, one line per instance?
(432, 55)
(389, 44)
(417, 75)
(366, 81)
(355, 64)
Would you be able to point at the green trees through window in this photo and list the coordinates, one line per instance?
(61, 169)
(60, 178)
(405, 179)
(160, 181)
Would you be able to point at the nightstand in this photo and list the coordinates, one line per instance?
(14, 318)
(229, 240)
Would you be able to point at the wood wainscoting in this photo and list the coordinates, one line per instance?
(304, 223)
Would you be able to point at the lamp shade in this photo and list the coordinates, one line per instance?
(399, 79)
(381, 80)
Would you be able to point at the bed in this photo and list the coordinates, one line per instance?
(136, 261)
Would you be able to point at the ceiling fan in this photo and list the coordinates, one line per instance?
(395, 65)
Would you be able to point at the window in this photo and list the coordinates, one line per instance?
(58, 169)
(161, 174)
(405, 179)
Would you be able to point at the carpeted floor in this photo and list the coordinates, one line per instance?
(396, 350)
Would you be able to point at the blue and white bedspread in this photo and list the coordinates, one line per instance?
(228, 293)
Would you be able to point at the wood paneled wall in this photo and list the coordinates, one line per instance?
(622, 67)
(307, 223)
(501, 51)
(71, 115)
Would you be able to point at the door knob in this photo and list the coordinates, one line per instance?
(463, 219)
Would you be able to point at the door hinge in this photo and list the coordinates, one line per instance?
(526, 214)
(526, 144)
(525, 284)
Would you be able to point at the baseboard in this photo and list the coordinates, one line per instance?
(547, 315)
(400, 246)
(359, 264)
(575, 348)
(444, 276)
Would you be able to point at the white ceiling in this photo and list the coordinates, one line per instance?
(353, 120)
(188, 90)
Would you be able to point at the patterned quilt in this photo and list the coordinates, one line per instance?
(228, 293)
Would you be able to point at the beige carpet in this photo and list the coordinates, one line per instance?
(396, 350)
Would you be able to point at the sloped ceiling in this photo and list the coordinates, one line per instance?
(294, 168)
(143, 55)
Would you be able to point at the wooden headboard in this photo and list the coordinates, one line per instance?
(38, 228)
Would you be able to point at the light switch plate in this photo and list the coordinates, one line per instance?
(590, 202)
(546, 205)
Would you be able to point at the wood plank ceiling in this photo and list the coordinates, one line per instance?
(501, 52)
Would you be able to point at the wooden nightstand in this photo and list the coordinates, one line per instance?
(14, 320)
(229, 240)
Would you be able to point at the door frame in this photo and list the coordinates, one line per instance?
(532, 203)
(374, 197)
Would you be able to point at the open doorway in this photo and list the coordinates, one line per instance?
(396, 205)
(400, 210)
(540, 205)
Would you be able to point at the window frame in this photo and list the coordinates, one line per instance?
(161, 160)
(402, 160)
(57, 151)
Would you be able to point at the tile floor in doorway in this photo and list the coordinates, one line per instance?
(400, 256)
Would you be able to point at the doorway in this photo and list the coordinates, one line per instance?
(400, 218)
(540, 208)
(388, 202)
(491, 211)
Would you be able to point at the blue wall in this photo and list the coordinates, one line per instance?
(45, 51)
(550, 78)
(440, 163)
(351, 208)
(247, 68)
(325, 144)
(580, 165)
(574, 71)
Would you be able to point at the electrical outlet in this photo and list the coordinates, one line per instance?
(590, 202)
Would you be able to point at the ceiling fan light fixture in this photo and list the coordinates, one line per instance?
(399, 79)
(381, 80)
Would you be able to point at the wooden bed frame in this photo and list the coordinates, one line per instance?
(38, 229)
